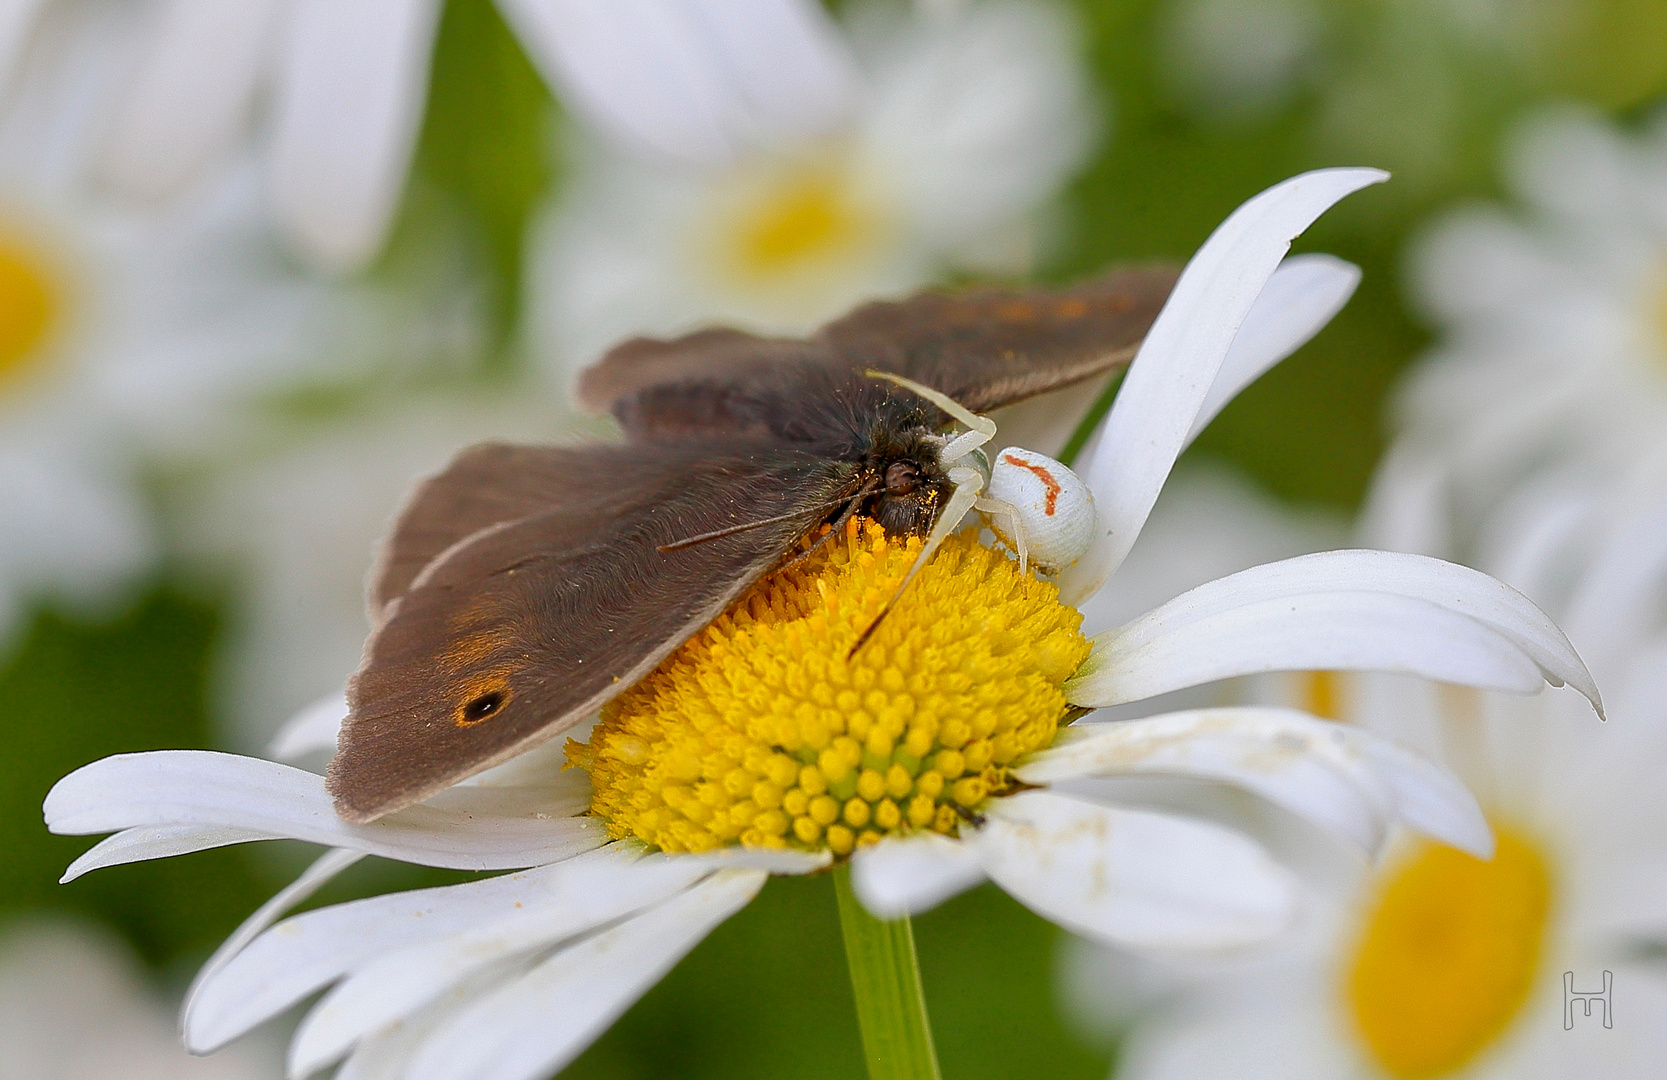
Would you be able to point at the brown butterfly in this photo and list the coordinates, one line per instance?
(525, 586)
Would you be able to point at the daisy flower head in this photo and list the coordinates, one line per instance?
(335, 93)
(928, 750)
(1553, 340)
(124, 337)
(1435, 964)
(910, 144)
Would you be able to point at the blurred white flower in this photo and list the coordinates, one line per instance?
(341, 88)
(126, 337)
(932, 140)
(1553, 350)
(72, 1007)
(296, 523)
(510, 977)
(1240, 58)
(1434, 964)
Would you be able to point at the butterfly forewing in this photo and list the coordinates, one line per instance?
(984, 347)
(523, 629)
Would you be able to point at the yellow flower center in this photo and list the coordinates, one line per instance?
(28, 307)
(796, 221)
(1449, 953)
(763, 731)
(1321, 693)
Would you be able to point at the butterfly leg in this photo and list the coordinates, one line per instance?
(989, 509)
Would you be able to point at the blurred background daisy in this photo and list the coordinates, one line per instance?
(264, 263)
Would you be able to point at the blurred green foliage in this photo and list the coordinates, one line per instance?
(766, 995)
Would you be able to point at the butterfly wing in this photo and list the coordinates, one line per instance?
(525, 627)
(984, 347)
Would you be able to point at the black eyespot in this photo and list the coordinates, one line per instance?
(482, 707)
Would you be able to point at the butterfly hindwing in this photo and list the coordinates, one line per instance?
(526, 627)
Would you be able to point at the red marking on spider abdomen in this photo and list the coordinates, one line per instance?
(1047, 478)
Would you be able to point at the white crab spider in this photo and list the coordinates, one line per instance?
(1035, 505)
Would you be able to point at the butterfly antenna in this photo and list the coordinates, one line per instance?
(968, 483)
(715, 534)
(838, 524)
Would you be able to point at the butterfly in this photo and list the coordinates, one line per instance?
(524, 586)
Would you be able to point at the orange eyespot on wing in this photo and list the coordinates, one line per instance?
(524, 629)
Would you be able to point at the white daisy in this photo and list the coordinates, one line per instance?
(1435, 964)
(72, 1007)
(504, 977)
(342, 88)
(123, 335)
(939, 137)
(1553, 350)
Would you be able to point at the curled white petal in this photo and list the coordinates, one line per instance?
(1349, 631)
(323, 870)
(1342, 778)
(146, 842)
(905, 876)
(536, 1024)
(1301, 297)
(1132, 877)
(309, 951)
(1178, 363)
(581, 894)
(312, 729)
(464, 828)
(1489, 603)
(352, 82)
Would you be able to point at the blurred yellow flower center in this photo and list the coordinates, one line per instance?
(797, 220)
(1322, 693)
(28, 304)
(761, 732)
(1449, 953)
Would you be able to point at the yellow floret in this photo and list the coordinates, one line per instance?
(764, 730)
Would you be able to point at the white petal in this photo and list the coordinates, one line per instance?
(1342, 778)
(898, 877)
(191, 96)
(323, 870)
(353, 81)
(1491, 604)
(1430, 799)
(1298, 301)
(582, 895)
(1178, 362)
(696, 81)
(17, 20)
(464, 828)
(1346, 631)
(1134, 878)
(156, 842)
(312, 729)
(536, 1024)
(312, 950)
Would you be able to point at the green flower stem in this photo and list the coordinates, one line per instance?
(896, 1036)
